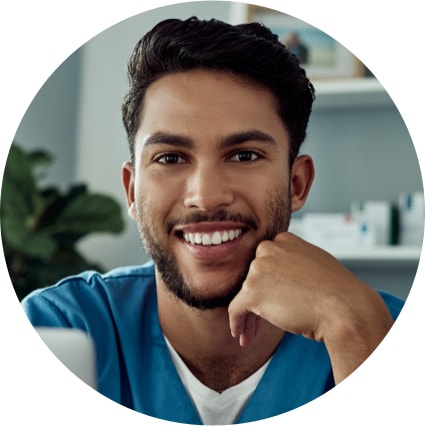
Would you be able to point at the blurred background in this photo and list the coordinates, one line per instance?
(366, 164)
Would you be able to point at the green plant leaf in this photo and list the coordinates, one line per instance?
(40, 226)
(55, 202)
(39, 158)
(19, 187)
(89, 213)
(33, 244)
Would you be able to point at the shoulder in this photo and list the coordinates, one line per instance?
(88, 293)
(124, 275)
(94, 281)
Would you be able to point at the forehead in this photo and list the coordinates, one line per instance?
(208, 104)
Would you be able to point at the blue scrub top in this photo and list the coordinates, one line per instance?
(119, 311)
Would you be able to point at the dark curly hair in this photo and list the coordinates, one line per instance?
(249, 50)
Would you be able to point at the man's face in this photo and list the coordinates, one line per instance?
(210, 181)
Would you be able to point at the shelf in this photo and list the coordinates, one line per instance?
(383, 256)
(348, 93)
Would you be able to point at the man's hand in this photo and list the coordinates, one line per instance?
(302, 289)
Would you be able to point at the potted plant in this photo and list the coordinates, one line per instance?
(40, 226)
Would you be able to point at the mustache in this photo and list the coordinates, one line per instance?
(216, 216)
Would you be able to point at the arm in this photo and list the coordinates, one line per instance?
(302, 289)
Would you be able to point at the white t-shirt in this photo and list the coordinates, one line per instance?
(216, 408)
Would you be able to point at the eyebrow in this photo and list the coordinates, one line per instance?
(232, 140)
(168, 139)
(247, 136)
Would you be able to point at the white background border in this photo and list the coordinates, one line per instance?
(37, 36)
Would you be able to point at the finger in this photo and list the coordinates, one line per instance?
(252, 323)
(237, 322)
(243, 320)
(243, 323)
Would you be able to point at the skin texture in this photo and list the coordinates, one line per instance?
(211, 155)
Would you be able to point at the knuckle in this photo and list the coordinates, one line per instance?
(255, 276)
(264, 248)
(285, 237)
(250, 281)
(282, 237)
(255, 270)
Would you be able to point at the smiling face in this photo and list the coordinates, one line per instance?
(211, 180)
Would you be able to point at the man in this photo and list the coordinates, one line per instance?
(236, 319)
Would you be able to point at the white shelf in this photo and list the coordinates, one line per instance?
(382, 255)
(347, 93)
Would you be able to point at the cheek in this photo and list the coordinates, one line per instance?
(264, 190)
(274, 210)
(154, 202)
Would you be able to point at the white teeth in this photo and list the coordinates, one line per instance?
(215, 239)
(206, 240)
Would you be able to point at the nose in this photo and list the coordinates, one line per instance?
(208, 188)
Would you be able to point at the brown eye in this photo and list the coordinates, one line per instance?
(170, 158)
(244, 156)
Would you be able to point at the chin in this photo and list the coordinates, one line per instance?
(204, 291)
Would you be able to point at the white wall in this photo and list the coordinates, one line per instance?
(50, 121)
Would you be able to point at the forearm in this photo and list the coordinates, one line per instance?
(355, 335)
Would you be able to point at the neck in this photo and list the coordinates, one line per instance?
(203, 341)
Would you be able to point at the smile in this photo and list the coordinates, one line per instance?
(211, 238)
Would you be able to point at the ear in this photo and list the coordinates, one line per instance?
(302, 175)
(127, 177)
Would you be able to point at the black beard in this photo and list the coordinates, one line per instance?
(177, 285)
(279, 212)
